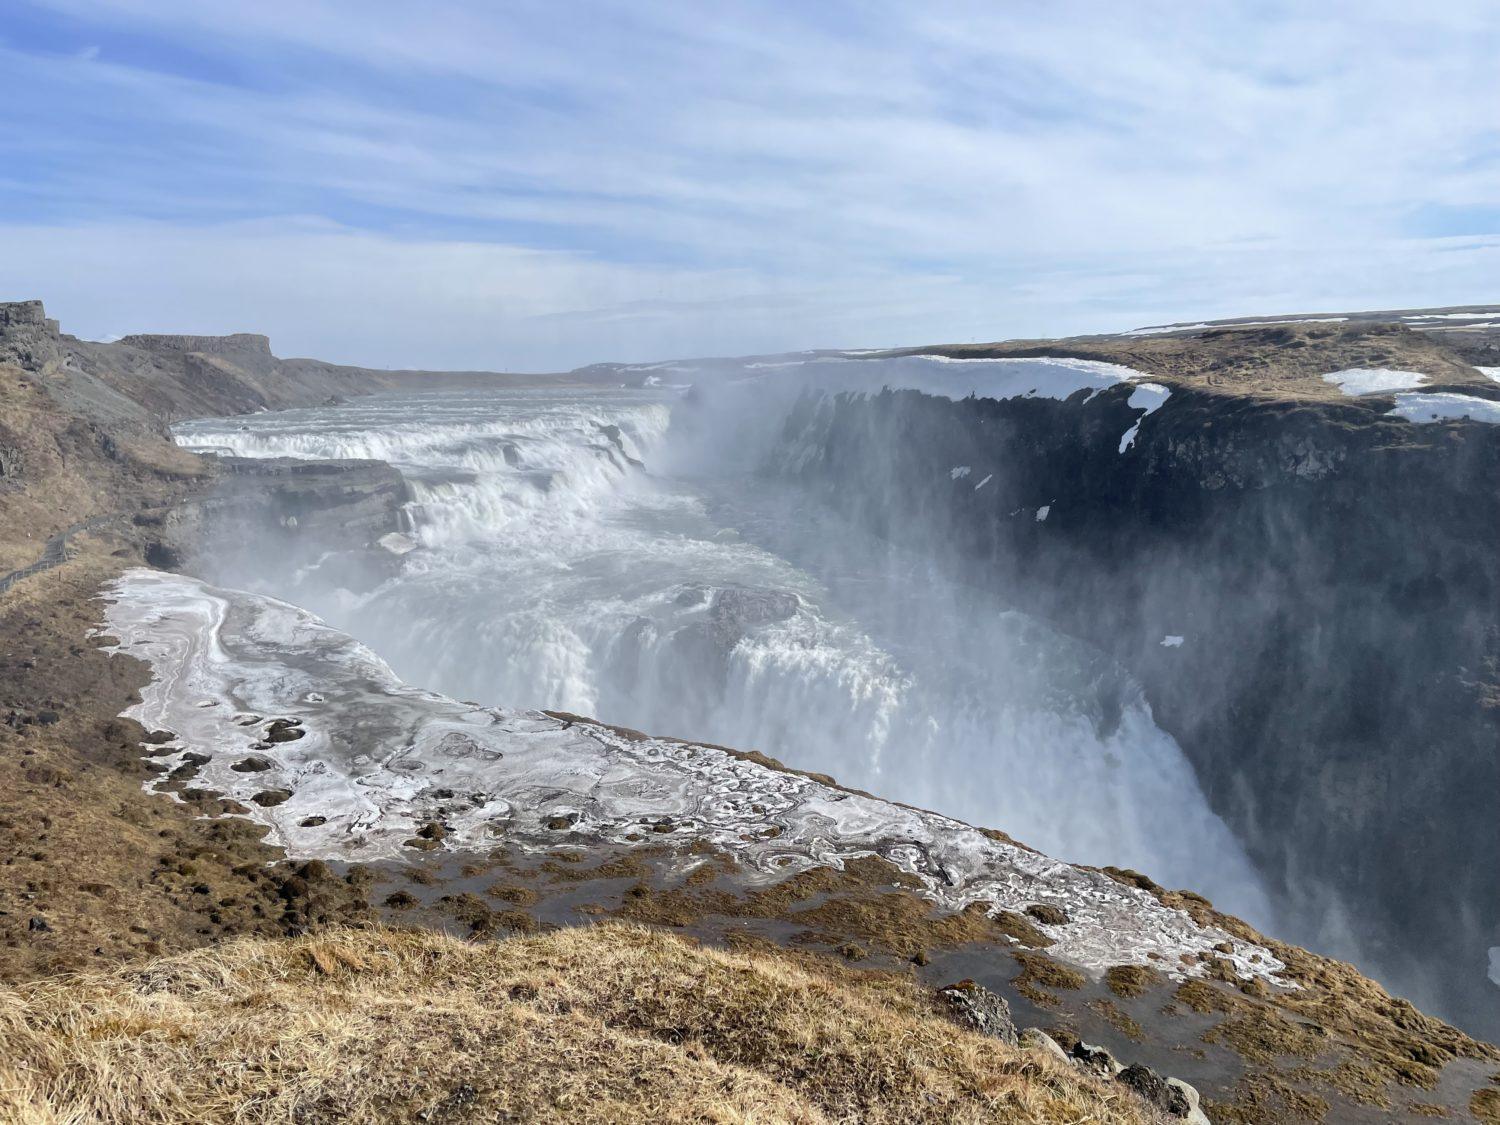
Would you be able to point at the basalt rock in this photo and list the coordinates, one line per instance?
(735, 612)
(976, 1007)
(1334, 574)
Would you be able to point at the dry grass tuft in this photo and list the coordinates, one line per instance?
(608, 1024)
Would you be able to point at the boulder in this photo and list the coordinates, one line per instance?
(974, 1006)
(736, 611)
(1095, 1060)
(1195, 1114)
(1155, 1089)
(1039, 1040)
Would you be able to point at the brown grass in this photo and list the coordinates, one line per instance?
(604, 1024)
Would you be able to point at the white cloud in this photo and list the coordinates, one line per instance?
(361, 297)
(943, 170)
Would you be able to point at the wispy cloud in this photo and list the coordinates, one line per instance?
(950, 170)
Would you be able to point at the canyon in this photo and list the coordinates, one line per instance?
(1273, 605)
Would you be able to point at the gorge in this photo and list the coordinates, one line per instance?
(1171, 603)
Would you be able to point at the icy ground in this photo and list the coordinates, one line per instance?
(376, 760)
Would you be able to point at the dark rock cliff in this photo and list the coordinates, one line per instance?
(294, 512)
(1334, 578)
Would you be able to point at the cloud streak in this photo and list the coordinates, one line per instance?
(946, 171)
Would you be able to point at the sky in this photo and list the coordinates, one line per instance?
(538, 185)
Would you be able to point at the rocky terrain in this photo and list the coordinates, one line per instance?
(1254, 463)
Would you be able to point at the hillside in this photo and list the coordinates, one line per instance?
(601, 1024)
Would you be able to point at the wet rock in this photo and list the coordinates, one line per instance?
(401, 900)
(159, 738)
(251, 765)
(432, 830)
(559, 822)
(312, 822)
(1048, 915)
(284, 730)
(974, 1006)
(270, 798)
(1095, 1060)
(735, 612)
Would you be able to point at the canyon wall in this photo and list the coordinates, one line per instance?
(1309, 590)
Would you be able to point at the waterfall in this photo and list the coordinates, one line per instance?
(602, 552)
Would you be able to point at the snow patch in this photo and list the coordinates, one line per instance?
(1491, 373)
(958, 472)
(1372, 380)
(1148, 397)
(1043, 512)
(1171, 640)
(1166, 329)
(984, 482)
(1446, 406)
(1451, 316)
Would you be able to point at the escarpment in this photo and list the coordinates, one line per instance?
(1307, 586)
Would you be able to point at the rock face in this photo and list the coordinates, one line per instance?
(1309, 592)
(239, 344)
(27, 338)
(286, 508)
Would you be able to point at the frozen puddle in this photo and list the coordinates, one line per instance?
(377, 758)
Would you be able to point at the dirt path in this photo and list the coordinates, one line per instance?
(55, 552)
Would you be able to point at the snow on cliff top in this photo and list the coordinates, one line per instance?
(1446, 406)
(1372, 380)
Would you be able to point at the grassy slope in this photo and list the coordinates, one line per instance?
(605, 1024)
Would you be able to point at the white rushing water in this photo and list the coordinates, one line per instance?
(574, 554)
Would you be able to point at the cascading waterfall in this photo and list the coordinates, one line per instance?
(573, 556)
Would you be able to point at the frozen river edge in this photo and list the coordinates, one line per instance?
(377, 764)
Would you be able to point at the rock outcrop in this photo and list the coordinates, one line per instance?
(258, 508)
(28, 338)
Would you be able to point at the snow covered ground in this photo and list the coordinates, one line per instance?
(1374, 380)
(1446, 406)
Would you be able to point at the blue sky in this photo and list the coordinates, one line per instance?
(540, 185)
